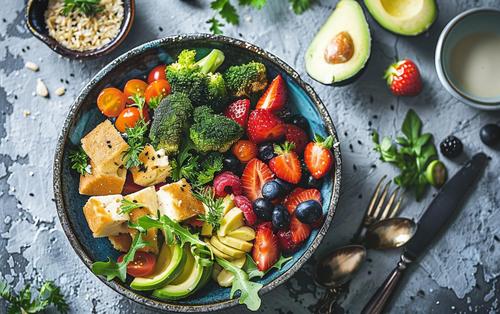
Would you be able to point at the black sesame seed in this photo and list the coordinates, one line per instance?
(360, 143)
(31, 194)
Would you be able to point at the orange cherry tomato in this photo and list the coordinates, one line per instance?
(142, 265)
(157, 73)
(134, 87)
(244, 150)
(111, 101)
(156, 91)
(127, 118)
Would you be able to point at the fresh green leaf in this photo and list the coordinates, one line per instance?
(87, 7)
(136, 141)
(249, 291)
(212, 164)
(226, 10)
(215, 26)
(112, 269)
(80, 161)
(412, 126)
(251, 268)
(299, 6)
(127, 206)
(421, 141)
(258, 4)
(214, 206)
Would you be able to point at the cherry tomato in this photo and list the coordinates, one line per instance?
(244, 150)
(157, 73)
(156, 91)
(134, 87)
(142, 265)
(111, 101)
(127, 118)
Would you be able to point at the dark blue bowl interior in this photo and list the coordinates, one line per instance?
(138, 66)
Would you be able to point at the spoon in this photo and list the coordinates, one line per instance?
(334, 271)
(389, 233)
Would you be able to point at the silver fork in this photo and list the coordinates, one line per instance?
(376, 211)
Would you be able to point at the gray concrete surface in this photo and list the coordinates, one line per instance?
(459, 273)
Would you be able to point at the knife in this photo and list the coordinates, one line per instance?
(439, 212)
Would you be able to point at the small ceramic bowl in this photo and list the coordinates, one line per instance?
(84, 116)
(473, 21)
(35, 20)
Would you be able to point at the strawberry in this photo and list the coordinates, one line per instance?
(286, 165)
(238, 111)
(318, 157)
(297, 136)
(403, 78)
(296, 197)
(293, 194)
(285, 241)
(264, 126)
(300, 231)
(254, 176)
(246, 207)
(265, 250)
(274, 98)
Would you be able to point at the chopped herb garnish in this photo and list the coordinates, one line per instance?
(80, 161)
(136, 141)
(213, 205)
(127, 206)
(87, 7)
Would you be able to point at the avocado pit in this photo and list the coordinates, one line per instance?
(340, 49)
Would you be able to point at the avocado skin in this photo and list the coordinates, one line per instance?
(349, 80)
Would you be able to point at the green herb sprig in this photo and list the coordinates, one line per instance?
(87, 7)
(80, 161)
(415, 152)
(136, 136)
(48, 294)
(214, 206)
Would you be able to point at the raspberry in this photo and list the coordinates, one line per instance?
(227, 183)
(245, 205)
(285, 241)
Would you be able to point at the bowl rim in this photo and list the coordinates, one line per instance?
(439, 57)
(71, 119)
(125, 27)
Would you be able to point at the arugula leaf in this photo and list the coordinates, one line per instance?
(249, 291)
(127, 206)
(80, 161)
(251, 268)
(215, 26)
(299, 6)
(112, 269)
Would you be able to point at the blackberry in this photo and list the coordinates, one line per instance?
(451, 147)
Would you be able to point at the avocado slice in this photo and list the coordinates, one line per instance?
(244, 233)
(169, 265)
(217, 252)
(234, 253)
(404, 17)
(342, 46)
(225, 277)
(186, 283)
(232, 220)
(236, 243)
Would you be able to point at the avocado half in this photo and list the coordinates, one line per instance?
(346, 25)
(404, 17)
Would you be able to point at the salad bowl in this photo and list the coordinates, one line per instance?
(84, 116)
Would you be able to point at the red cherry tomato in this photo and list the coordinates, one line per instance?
(157, 73)
(134, 87)
(127, 118)
(142, 265)
(156, 91)
(111, 101)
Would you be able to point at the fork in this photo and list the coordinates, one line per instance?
(376, 211)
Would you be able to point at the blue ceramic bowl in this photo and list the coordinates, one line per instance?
(84, 116)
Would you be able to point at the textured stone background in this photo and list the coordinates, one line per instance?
(459, 274)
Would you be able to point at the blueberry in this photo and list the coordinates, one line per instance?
(490, 134)
(285, 186)
(263, 209)
(308, 212)
(231, 163)
(266, 152)
(299, 121)
(281, 218)
(308, 181)
(272, 190)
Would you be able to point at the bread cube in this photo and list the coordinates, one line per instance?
(178, 202)
(121, 242)
(104, 216)
(99, 183)
(155, 168)
(105, 147)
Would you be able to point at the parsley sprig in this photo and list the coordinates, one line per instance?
(415, 152)
(80, 161)
(48, 294)
(213, 205)
(136, 136)
(128, 206)
(87, 7)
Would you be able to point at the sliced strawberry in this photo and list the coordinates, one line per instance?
(295, 198)
(292, 195)
(297, 136)
(246, 207)
(274, 98)
(264, 126)
(286, 243)
(300, 232)
(286, 165)
(238, 111)
(266, 249)
(254, 176)
(318, 156)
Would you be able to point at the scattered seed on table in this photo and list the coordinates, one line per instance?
(60, 91)
(160, 29)
(31, 66)
(41, 88)
(375, 116)
(354, 167)
(360, 143)
(351, 148)
(392, 107)
(345, 133)
(369, 123)
(26, 113)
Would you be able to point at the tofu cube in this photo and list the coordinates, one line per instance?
(99, 183)
(105, 147)
(155, 168)
(178, 202)
(104, 216)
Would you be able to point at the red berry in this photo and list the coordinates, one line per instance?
(246, 207)
(300, 231)
(254, 176)
(286, 243)
(227, 183)
(265, 250)
(403, 78)
(238, 111)
(318, 156)
(296, 197)
(274, 98)
(286, 165)
(297, 136)
(264, 126)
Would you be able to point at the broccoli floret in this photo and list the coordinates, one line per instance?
(217, 93)
(195, 78)
(213, 132)
(246, 79)
(171, 119)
